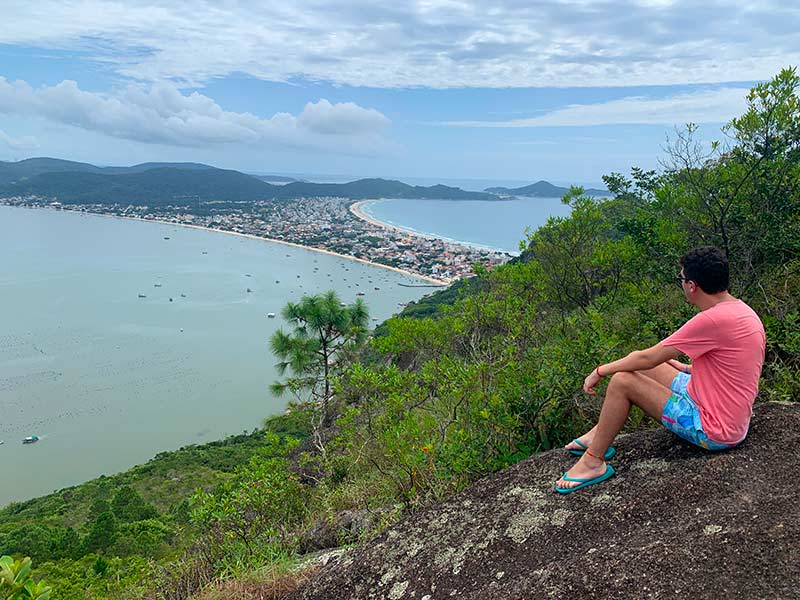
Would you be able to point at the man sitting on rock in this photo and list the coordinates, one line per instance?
(708, 402)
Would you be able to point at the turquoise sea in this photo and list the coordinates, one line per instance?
(108, 379)
(499, 225)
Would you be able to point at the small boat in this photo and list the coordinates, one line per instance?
(142, 296)
(249, 290)
(31, 439)
(183, 295)
(342, 304)
(170, 299)
(166, 238)
(377, 288)
(156, 285)
(1, 442)
(247, 275)
(360, 294)
(270, 315)
(204, 252)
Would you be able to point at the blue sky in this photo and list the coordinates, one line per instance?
(564, 90)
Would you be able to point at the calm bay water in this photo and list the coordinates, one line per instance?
(108, 379)
(499, 225)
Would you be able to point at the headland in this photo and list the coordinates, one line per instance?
(331, 225)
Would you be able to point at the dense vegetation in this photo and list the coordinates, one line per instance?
(468, 386)
(109, 535)
(11, 172)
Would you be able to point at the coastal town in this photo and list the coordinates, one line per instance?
(324, 223)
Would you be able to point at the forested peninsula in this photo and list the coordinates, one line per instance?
(393, 452)
(188, 184)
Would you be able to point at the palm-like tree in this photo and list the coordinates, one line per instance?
(324, 332)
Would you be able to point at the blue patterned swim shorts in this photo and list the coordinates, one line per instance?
(682, 417)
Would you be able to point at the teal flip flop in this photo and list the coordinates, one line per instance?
(607, 456)
(584, 482)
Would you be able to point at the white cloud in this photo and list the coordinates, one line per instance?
(25, 142)
(162, 114)
(432, 43)
(708, 106)
(343, 118)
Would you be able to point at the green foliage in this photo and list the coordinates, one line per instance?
(100, 566)
(62, 531)
(150, 537)
(262, 501)
(128, 505)
(495, 374)
(17, 583)
(325, 334)
(103, 533)
(94, 577)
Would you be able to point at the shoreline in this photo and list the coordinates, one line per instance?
(356, 209)
(431, 280)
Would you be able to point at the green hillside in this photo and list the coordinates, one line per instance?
(154, 187)
(25, 169)
(189, 184)
(133, 517)
(11, 172)
(377, 188)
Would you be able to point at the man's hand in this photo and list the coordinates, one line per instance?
(591, 380)
(683, 368)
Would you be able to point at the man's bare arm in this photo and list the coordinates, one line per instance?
(640, 360)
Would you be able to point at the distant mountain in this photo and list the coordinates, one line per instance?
(155, 184)
(152, 187)
(378, 188)
(11, 172)
(148, 166)
(14, 171)
(276, 178)
(542, 189)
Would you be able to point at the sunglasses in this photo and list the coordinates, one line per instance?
(680, 280)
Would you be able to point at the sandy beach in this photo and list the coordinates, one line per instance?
(356, 210)
(430, 280)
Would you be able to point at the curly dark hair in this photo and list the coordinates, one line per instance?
(707, 266)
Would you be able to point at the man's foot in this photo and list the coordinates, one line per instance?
(585, 439)
(587, 467)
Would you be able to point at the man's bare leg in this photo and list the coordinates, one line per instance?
(663, 374)
(624, 390)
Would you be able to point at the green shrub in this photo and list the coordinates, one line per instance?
(16, 581)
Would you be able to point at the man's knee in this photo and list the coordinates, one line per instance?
(622, 379)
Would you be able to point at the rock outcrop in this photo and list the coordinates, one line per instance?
(676, 522)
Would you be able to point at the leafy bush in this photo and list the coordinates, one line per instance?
(261, 502)
(16, 582)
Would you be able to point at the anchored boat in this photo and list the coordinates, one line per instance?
(31, 439)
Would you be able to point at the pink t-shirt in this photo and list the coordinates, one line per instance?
(726, 344)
